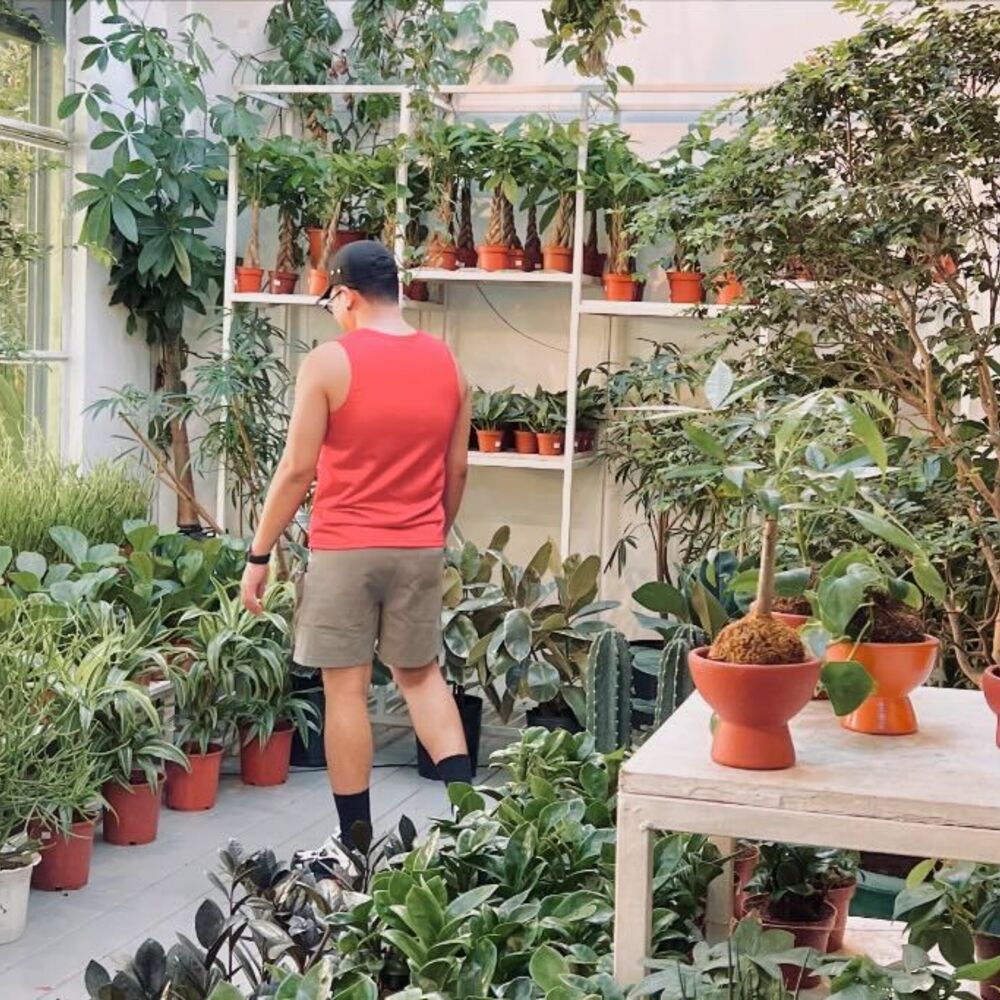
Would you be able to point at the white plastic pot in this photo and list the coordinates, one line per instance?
(15, 884)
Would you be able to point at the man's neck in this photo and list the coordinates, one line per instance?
(385, 319)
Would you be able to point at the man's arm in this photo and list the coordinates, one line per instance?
(457, 471)
(296, 469)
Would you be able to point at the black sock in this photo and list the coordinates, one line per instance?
(457, 768)
(351, 809)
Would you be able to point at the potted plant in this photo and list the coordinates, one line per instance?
(618, 182)
(442, 147)
(550, 419)
(292, 167)
(591, 409)
(490, 413)
(498, 161)
(869, 615)
(522, 416)
(955, 907)
(558, 168)
(250, 275)
(788, 892)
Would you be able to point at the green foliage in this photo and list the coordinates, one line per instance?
(491, 410)
(550, 412)
(609, 691)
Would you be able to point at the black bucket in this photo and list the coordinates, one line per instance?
(470, 708)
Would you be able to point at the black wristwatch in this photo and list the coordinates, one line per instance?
(258, 560)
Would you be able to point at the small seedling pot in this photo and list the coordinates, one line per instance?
(525, 442)
(555, 258)
(283, 282)
(619, 287)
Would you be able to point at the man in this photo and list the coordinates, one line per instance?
(381, 423)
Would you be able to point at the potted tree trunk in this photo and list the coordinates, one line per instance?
(493, 253)
(465, 248)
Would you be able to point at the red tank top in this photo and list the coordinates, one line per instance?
(381, 471)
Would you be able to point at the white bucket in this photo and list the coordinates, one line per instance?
(15, 883)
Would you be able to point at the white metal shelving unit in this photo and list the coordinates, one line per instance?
(571, 284)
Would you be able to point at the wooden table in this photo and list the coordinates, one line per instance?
(933, 794)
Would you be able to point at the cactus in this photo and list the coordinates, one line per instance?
(609, 691)
(674, 684)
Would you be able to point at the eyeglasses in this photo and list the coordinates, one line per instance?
(326, 302)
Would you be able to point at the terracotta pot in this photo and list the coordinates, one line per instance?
(345, 236)
(442, 256)
(730, 291)
(551, 444)
(686, 286)
(267, 764)
(525, 442)
(586, 439)
(467, 257)
(897, 669)
(744, 865)
(417, 291)
(132, 814)
(283, 282)
(516, 257)
(490, 441)
(987, 947)
(814, 936)
(493, 257)
(638, 290)
(840, 899)
(316, 236)
(319, 280)
(619, 288)
(249, 279)
(792, 621)
(991, 688)
(754, 704)
(65, 863)
(197, 789)
(557, 259)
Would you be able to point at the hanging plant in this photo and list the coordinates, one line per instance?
(582, 32)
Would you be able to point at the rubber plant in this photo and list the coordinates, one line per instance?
(147, 215)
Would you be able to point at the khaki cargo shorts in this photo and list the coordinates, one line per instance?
(353, 603)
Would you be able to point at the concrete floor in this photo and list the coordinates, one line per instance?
(141, 892)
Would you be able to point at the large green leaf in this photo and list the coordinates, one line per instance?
(663, 599)
(71, 542)
(882, 528)
(848, 684)
(548, 967)
(705, 442)
(517, 633)
(839, 600)
(31, 562)
(867, 432)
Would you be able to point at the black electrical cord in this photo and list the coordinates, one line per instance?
(520, 333)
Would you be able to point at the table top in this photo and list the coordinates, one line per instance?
(946, 774)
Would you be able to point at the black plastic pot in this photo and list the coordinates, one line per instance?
(552, 720)
(470, 708)
(310, 753)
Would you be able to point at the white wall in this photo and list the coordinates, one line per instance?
(709, 42)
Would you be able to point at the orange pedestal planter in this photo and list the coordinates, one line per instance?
(266, 764)
(754, 704)
(991, 688)
(490, 441)
(686, 286)
(619, 287)
(897, 668)
(556, 258)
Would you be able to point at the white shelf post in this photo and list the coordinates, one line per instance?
(228, 287)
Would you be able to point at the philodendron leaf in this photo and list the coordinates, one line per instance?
(663, 599)
(71, 541)
(883, 528)
(847, 683)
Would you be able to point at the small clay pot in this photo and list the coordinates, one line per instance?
(319, 279)
(525, 442)
(417, 291)
(516, 256)
(551, 444)
(493, 257)
(442, 256)
(197, 789)
(132, 814)
(988, 947)
(593, 262)
(754, 704)
(991, 688)
(249, 279)
(467, 257)
(585, 439)
(283, 282)
(686, 286)
(555, 258)
(840, 899)
(815, 936)
(619, 287)
(730, 291)
(490, 441)
(897, 668)
(638, 290)
(266, 764)
(345, 236)
(945, 268)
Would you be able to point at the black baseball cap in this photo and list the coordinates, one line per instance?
(366, 266)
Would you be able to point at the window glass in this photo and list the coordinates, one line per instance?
(32, 45)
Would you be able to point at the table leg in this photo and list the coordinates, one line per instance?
(719, 905)
(633, 892)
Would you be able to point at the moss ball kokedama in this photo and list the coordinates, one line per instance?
(758, 638)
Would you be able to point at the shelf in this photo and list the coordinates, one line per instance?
(512, 460)
(296, 299)
(510, 277)
(662, 310)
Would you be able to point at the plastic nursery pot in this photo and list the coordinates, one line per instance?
(754, 704)
(987, 947)
(266, 764)
(585, 439)
(65, 863)
(490, 441)
(417, 291)
(516, 258)
(619, 287)
(15, 886)
(897, 668)
(730, 291)
(593, 263)
(442, 256)
(814, 935)
(556, 258)
(467, 257)
(132, 814)
(744, 864)
(686, 286)
(316, 237)
(840, 899)
(197, 789)
(249, 279)
(991, 688)
(493, 257)
(552, 721)
(551, 444)
(283, 282)
(525, 442)
(310, 753)
(319, 279)
(638, 290)
(470, 709)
